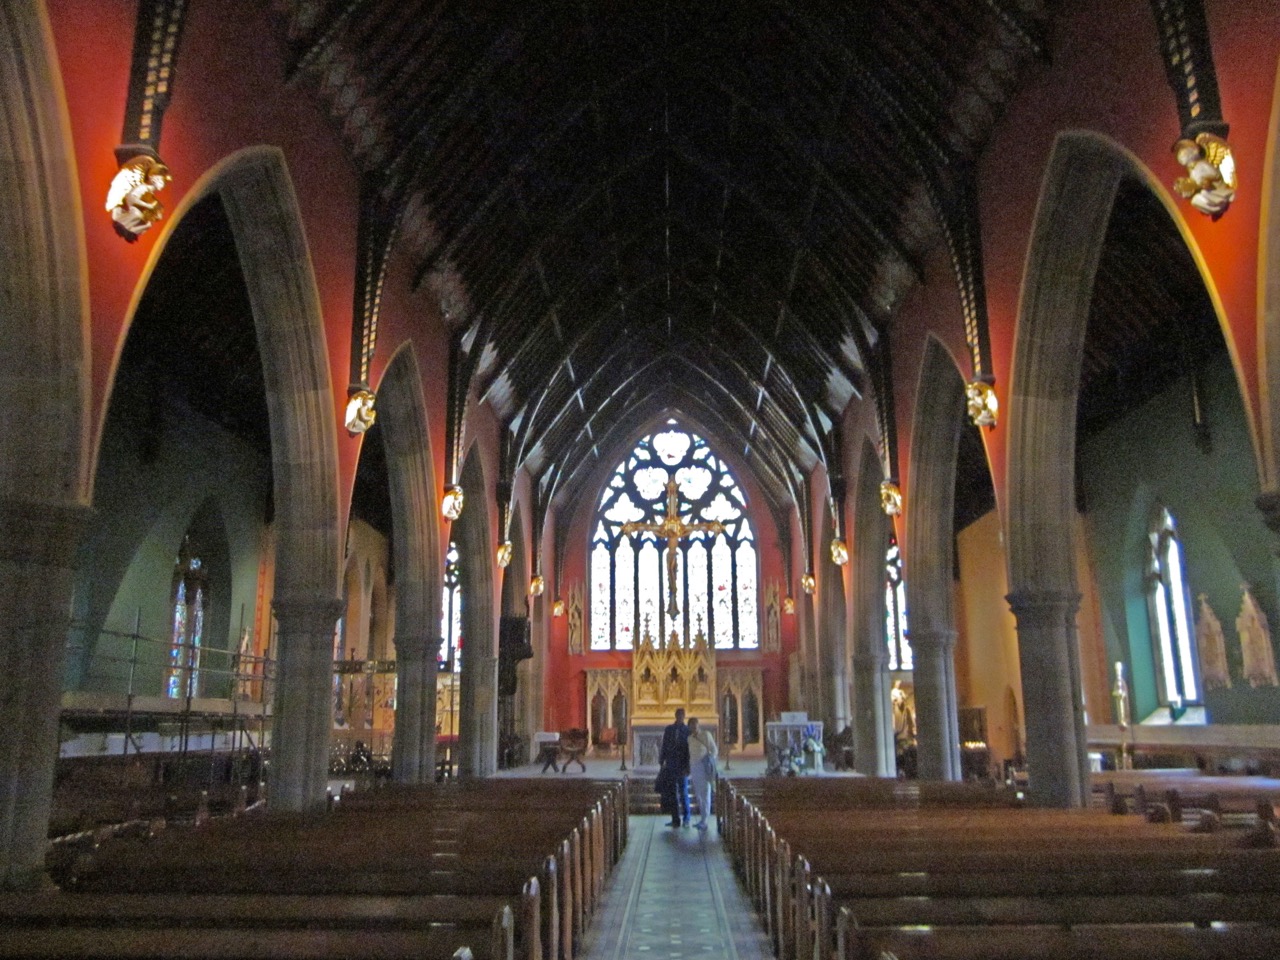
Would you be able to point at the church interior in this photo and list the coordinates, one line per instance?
(420, 393)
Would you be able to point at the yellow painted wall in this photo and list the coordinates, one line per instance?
(987, 647)
(987, 668)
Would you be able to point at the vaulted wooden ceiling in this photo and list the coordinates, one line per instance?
(698, 207)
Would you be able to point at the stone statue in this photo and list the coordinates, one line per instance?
(1214, 670)
(1255, 643)
(132, 200)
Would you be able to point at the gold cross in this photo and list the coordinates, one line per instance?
(672, 528)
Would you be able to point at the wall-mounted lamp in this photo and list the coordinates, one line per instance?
(451, 503)
(503, 554)
(131, 198)
(360, 413)
(807, 583)
(1210, 183)
(839, 552)
(537, 586)
(557, 608)
(981, 402)
(890, 498)
(789, 606)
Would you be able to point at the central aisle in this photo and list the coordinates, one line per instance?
(674, 895)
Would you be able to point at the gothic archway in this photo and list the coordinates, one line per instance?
(415, 545)
(930, 555)
(262, 209)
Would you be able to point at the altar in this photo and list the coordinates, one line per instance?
(666, 676)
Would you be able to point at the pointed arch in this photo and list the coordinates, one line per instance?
(935, 444)
(478, 705)
(266, 223)
(415, 540)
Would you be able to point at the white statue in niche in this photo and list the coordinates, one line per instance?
(1255, 643)
(1213, 648)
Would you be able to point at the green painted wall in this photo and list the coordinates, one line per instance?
(163, 470)
(1148, 460)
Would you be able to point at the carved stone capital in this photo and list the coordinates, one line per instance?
(1039, 608)
(307, 613)
(415, 647)
(926, 642)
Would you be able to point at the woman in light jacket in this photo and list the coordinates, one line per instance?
(702, 768)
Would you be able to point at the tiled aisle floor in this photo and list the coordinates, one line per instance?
(674, 895)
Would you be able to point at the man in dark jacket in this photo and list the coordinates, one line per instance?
(673, 777)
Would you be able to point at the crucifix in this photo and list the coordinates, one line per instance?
(672, 528)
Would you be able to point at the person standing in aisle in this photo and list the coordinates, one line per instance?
(702, 768)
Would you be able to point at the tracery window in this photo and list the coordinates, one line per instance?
(190, 600)
(1170, 604)
(895, 610)
(449, 658)
(716, 575)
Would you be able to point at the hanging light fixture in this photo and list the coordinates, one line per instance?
(504, 554)
(807, 583)
(981, 402)
(360, 413)
(789, 606)
(890, 498)
(537, 586)
(557, 608)
(839, 552)
(451, 504)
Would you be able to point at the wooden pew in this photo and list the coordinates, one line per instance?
(452, 884)
(273, 928)
(945, 867)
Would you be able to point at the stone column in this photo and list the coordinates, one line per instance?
(37, 549)
(413, 748)
(478, 724)
(836, 680)
(1048, 647)
(810, 695)
(937, 739)
(302, 712)
(873, 753)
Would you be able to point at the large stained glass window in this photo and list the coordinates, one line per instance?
(895, 610)
(450, 658)
(190, 599)
(1170, 601)
(716, 575)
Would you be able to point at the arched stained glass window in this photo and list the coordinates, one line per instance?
(895, 609)
(1170, 601)
(190, 600)
(451, 614)
(716, 575)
